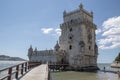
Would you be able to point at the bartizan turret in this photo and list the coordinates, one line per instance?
(57, 47)
(30, 52)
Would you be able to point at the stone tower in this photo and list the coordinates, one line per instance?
(78, 38)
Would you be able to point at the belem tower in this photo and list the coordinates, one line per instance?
(76, 46)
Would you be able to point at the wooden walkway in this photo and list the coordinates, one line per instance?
(38, 73)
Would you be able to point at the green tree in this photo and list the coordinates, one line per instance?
(118, 57)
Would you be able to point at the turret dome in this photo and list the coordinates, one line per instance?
(57, 46)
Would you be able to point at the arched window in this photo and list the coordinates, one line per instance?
(70, 47)
(71, 20)
(89, 47)
(70, 37)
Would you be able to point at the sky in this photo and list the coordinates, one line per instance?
(36, 22)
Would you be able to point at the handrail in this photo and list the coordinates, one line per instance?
(23, 67)
(10, 67)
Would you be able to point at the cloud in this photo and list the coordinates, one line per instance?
(46, 30)
(112, 31)
(51, 31)
(98, 31)
(58, 31)
(111, 22)
(110, 34)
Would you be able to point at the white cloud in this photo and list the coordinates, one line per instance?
(114, 45)
(111, 22)
(51, 31)
(112, 31)
(58, 31)
(98, 31)
(46, 30)
(110, 34)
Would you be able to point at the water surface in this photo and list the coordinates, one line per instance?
(72, 75)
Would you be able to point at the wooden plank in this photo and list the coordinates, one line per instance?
(38, 73)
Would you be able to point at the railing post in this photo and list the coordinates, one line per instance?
(22, 68)
(48, 75)
(17, 69)
(9, 73)
(26, 67)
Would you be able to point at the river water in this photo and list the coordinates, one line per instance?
(72, 75)
(5, 64)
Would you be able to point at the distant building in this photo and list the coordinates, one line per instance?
(43, 56)
(76, 46)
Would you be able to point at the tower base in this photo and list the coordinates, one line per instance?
(87, 68)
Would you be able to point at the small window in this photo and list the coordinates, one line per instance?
(71, 20)
(56, 49)
(89, 47)
(70, 47)
(70, 37)
(70, 29)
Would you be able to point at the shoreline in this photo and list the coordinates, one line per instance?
(115, 65)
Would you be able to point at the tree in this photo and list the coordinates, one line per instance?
(118, 57)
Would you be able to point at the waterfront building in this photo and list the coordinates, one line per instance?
(76, 45)
(42, 56)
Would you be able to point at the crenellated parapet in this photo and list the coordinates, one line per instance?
(78, 13)
(78, 21)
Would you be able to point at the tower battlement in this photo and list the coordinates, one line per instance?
(77, 22)
(78, 13)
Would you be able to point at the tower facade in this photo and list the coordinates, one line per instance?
(78, 38)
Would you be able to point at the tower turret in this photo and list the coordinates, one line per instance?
(35, 50)
(57, 47)
(30, 51)
(81, 6)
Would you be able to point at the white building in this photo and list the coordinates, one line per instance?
(77, 45)
(43, 56)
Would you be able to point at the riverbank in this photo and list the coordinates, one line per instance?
(9, 58)
(115, 65)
